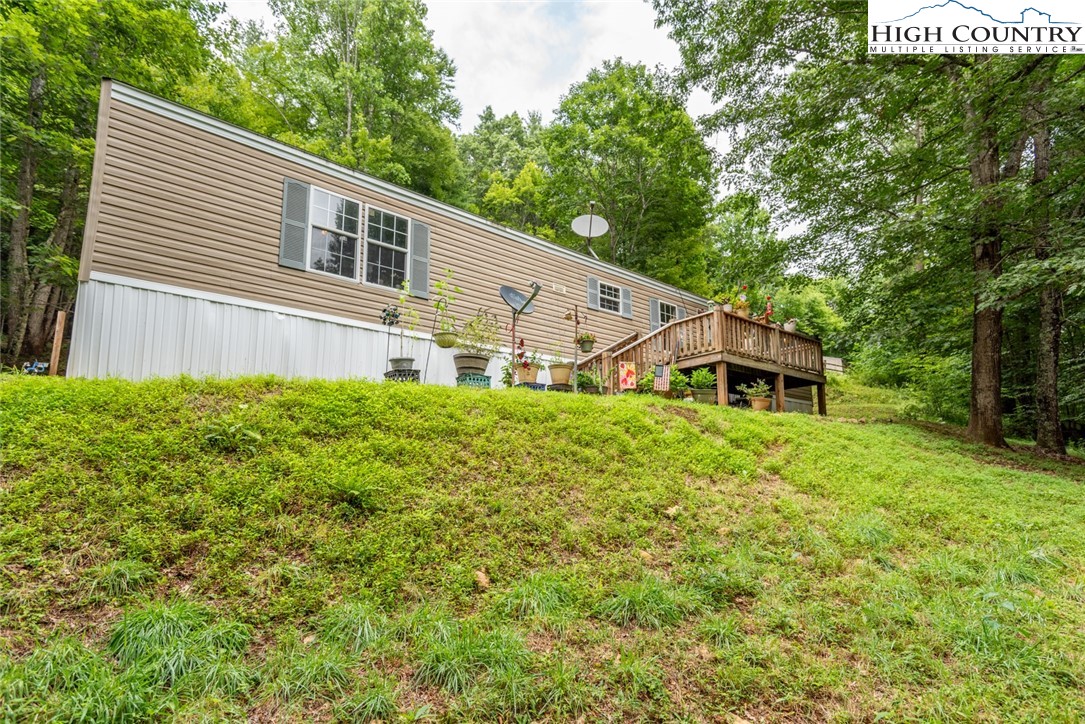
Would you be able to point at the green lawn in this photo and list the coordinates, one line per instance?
(294, 551)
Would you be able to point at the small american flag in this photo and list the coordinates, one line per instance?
(662, 382)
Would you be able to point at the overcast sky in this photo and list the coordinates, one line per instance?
(522, 55)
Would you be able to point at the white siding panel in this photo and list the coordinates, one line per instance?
(138, 333)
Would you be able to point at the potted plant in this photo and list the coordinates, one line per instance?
(791, 325)
(401, 313)
(529, 365)
(703, 382)
(758, 394)
(444, 321)
(560, 370)
(586, 340)
(588, 383)
(477, 341)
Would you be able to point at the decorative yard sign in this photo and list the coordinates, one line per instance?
(627, 376)
(662, 381)
(987, 27)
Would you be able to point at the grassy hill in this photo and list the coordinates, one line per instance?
(274, 550)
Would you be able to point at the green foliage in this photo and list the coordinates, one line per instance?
(656, 184)
(702, 378)
(120, 578)
(649, 602)
(446, 294)
(481, 335)
(354, 625)
(377, 702)
(229, 436)
(626, 544)
(585, 378)
(758, 388)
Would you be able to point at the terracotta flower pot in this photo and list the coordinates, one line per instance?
(528, 374)
(760, 403)
(560, 372)
(445, 340)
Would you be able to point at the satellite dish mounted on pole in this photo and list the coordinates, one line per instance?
(589, 226)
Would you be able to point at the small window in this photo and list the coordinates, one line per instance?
(667, 313)
(610, 297)
(333, 234)
(386, 248)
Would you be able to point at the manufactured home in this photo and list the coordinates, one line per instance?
(213, 250)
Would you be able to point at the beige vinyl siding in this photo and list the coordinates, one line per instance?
(186, 207)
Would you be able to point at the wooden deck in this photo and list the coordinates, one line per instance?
(718, 339)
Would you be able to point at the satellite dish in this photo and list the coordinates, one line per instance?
(590, 226)
(520, 302)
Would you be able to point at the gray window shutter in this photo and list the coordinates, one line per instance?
(295, 224)
(653, 314)
(627, 302)
(681, 312)
(419, 281)
(593, 293)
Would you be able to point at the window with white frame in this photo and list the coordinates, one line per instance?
(333, 234)
(386, 248)
(667, 313)
(610, 297)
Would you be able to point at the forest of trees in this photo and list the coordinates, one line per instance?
(939, 200)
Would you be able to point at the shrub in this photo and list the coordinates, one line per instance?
(702, 379)
(679, 381)
(481, 335)
(760, 388)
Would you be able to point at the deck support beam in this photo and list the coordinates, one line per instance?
(779, 391)
(821, 399)
(721, 384)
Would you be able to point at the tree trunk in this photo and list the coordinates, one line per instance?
(1049, 439)
(18, 263)
(985, 409)
(40, 313)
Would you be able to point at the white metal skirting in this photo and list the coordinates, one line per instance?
(135, 331)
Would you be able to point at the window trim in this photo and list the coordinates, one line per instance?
(364, 256)
(673, 317)
(617, 311)
(309, 226)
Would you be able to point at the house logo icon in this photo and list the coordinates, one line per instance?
(1020, 27)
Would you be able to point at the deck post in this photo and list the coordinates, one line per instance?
(779, 391)
(721, 384)
(821, 399)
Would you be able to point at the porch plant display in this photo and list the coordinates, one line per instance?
(757, 393)
(703, 382)
(588, 383)
(560, 370)
(741, 303)
(478, 342)
(444, 321)
(586, 341)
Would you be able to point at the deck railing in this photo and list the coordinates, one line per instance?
(716, 332)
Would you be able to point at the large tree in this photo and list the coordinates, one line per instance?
(905, 158)
(359, 82)
(55, 54)
(623, 138)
